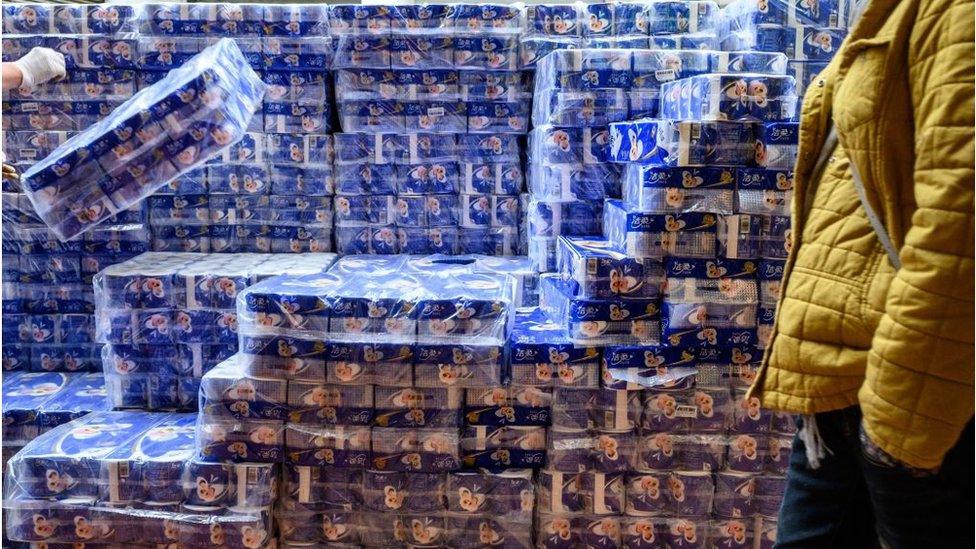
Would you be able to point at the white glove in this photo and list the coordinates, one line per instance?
(40, 65)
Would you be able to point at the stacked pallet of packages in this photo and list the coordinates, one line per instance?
(169, 317)
(433, 105)
(47, 294)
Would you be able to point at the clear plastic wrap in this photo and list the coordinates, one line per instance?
(541, 355)
(764, 192)
(686, 143)
(128, 477)
(199, 109)
(600, 321)
(36, 402)
(676, 190)
(170, 317)
(745, 97)
(643, 235)
(599, 271)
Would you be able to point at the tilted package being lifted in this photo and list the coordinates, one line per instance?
(163, 131)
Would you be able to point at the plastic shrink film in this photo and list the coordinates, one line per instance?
(168, 317)
(129, 478)
(159, 133)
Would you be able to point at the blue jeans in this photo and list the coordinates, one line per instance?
(854, 500)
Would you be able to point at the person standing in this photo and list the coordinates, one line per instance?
(873, 339)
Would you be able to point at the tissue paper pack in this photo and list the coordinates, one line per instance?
(127, 477)
(161, 132)
(675, 190)
(170, 317)
(599, 271)
(541, 355)
(685, 143)
(36, 402)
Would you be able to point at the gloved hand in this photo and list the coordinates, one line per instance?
(40, 65)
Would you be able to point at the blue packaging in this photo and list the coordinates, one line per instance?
(677, 190)
(599, 271)
(434, 116)
(486, 52)
(541, 355)
(777, 145)
(684, 143)
(645, 235)
(599, 321)
(413, 51)
(512, 117)
(488, 147)
(350, 18)
(372, 116)
(303, 150)
(682, 17)
(748, 62)
(355, 83)
(362, 51)
(310, 181)
(649, 367)
(553, 20)
(501, 178)
(570, 218)
(426, 84)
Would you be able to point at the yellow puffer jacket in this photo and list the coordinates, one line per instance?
(849, 329)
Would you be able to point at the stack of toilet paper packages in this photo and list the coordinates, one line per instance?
(129, 478)
(808, 33)
(639, 25)
(371, 385)
(271, 192)
(427, 193)
(169, 317)
(162, 131)
(47, 295)
(442, 68)
(36, 402)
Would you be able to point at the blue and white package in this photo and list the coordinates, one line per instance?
(500, 178)
(678, 143)
(503, 446)
(372, 116)
(541, 355)
(770, 281)
(570, 217)
(759, 97)
(306, 53)
(563, 20)
(295, 20)
(731, 281)
(764, 192)
(36, 402)
(295, 117)
(832, 13)
(599, 321)
(676, 190)
(299, 150)
(804, 73)
(205, 106)
(671, 17)
(645, 235)
(599, 271)
(777, 238)
(749, 62)
(777, 145)
(801, 43)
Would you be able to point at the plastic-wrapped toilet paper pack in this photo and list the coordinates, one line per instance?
(711, 281)
(676, 190)
(503, 446)
(36, 402)
(777, 145)
(692, 316)
(599, 271)
(736, 62)
(170, 19)
(197, 110)
(804, 72)
(656, 236)
(580, 492)
(332, 445)
(764, 192)
(508, 494)
(739, 236)
(834, 13)
(562, 531)
(633, 368)
(415, 450)
(418, 407)
(770, 277)
(170, 317)
(84, 85)
(540, 355)
(760, 97)
(228, 390)
(776, 237)
(55, 116)
(40, 19)
(526, 406)
(600, 321)
(683, 143)
(83, 458)
(579, 410)
(800, 43)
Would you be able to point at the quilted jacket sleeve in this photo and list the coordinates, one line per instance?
(918, 392)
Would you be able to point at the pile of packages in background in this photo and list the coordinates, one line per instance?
(402, 400)
(433, 103)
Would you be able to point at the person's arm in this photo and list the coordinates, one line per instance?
(921, 356)
(40, 65)
(12, 77)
